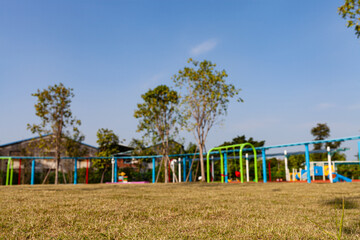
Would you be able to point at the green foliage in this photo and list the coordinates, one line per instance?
(191, 148)
(158, 117)
(296, 162)
(242, 139)
(108, 143)
(157, 114)
(73, 145)
(351, 11)
(205, 98)
(53, 108)
(350, 171)
(140, 149)
(322, 132)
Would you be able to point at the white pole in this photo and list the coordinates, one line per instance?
(287, 174)
(247, 167)
(212, 168)
(329, 164)
(293, 175)
(112, 170)
(312, 170)
(323, 167)
(179, 166)
(172, 165)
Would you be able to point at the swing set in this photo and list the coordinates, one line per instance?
(223, 152)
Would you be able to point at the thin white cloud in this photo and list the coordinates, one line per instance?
(204, 47)
(152, 81)
(354, 107)
(325, 106)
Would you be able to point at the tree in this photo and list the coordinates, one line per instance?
(351, 11)
(53, 108)
(205, 99)
(242, 139)
(108, 143)
(158, 118)
(322, 132)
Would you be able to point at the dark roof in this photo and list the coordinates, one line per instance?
(29, 139)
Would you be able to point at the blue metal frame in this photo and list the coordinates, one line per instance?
(226, 168)
(33, 172)
(264, 164)
(153, 170)
(307, 162)
(75, 171)
(115, 170)
(184, 169)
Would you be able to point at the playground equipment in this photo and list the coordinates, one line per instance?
(184, 162)
(224, 162)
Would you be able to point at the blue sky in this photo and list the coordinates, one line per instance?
(295, 61)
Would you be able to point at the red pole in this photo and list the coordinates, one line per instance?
(169, 172)
(269, 172)
(19, 177)
(87, 171)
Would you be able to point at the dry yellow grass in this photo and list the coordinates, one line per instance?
(178, 211)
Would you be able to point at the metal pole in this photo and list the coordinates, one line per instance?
(264, 165)
(293, 175)
(247, 167)
(75, 171)
(153, 170)
(33, 172)
(7, 172)
(226, 168)
(172, 166)
(190, 170)
(212, 168)
(307, 159)
(287, 174)
(329, 164)
(12, 171)
(179, 169)
(112, 170)
(184, 169)
(115, 171)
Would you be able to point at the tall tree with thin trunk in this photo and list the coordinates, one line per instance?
(158, 118)
(53, 108)
(205, 98)
(108, 143)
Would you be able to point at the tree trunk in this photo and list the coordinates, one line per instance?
(46, 176)
(202, 164)
(160, 166)
(103, 175)
(62, 171)
(166, 170)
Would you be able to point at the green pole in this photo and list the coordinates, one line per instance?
(241, 164)
(7, 172)
(12, 170)
(221, 166)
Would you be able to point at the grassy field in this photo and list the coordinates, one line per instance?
(179, 211)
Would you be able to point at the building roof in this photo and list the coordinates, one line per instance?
(33, 138)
